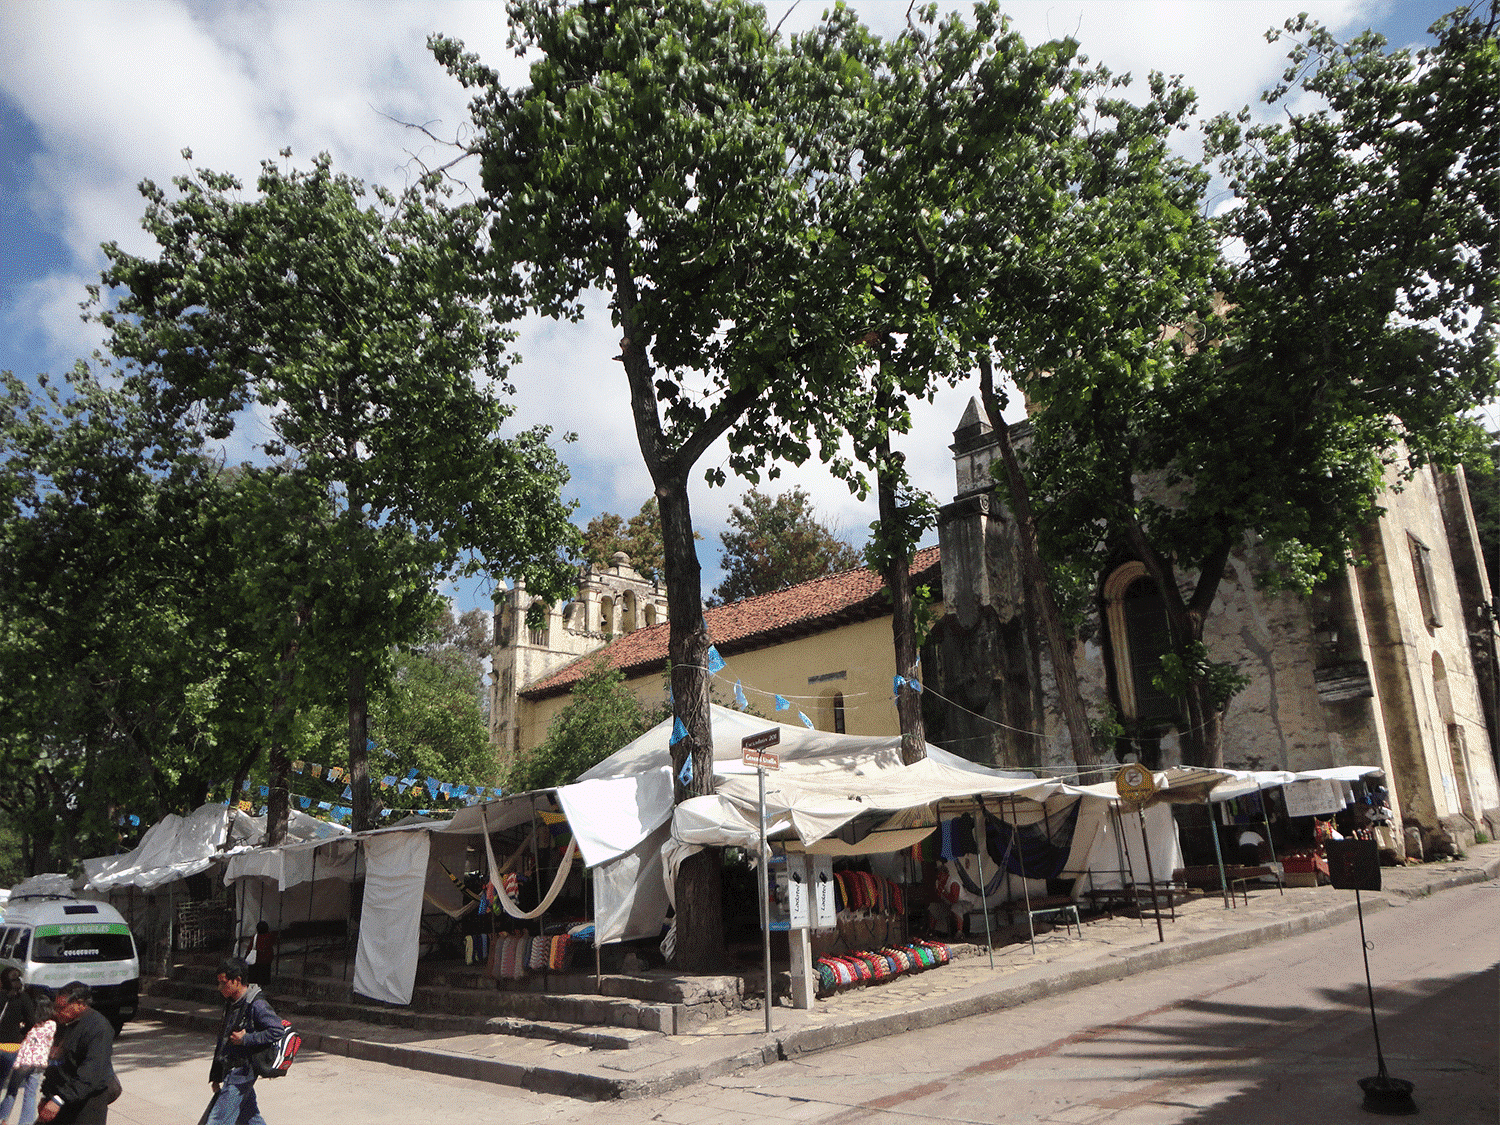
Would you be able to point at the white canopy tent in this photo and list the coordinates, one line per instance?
(628, 831)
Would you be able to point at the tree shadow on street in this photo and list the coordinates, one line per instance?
(1441, 1033)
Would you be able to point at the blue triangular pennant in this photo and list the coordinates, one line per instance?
(432, 787)
(896, 682)
(781, 703)
(715, 661)
(679, 732)
(805, 720)
(915, 686)
(685, 775)
(739, 696)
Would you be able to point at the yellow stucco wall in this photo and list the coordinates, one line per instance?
(856, 661)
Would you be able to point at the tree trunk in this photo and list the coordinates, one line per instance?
(700, 915)
(1203, 731)
(278, 760)
(903, 624)
(359, 742)
(1034, 574)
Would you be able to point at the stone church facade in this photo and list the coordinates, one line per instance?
(612, 601)
(1392, 664)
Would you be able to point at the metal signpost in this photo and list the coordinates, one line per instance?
(1135, 783)
(1354, 865)
(753, 753)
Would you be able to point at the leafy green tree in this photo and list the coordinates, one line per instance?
(658, 154)
(1353, 330)
(602, 716)
(1483, 474)
(776, 542)
(639, 537)
(115, 578)
(959, 143)
(427, 718)
(357, 337)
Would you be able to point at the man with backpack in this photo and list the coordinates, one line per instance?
(249, 1025)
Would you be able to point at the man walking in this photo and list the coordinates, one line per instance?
(82, 1083)
(249, 1024)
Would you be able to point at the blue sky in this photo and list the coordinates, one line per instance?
(96, 96)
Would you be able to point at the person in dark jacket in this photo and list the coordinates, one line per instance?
(17, 1014)
(249, 1024)
(81, 1082)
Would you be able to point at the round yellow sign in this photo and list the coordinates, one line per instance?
(1135, 783)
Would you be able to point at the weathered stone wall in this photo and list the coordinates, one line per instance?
(1376, 668)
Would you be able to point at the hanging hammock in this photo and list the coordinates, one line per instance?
(508, 903)
(1032, 851)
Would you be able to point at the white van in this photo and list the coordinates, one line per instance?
(54, 941)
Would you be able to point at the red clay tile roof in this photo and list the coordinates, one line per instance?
(810, 607)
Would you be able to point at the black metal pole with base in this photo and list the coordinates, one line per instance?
(1354, 865)
(1383, 1094)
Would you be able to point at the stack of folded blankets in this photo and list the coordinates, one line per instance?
(846, 970)
(859, 890)
(511, 955)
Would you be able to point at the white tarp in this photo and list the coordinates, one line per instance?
(1238, 783)
(295, 863)
(385, 966)
(630, 892)
(1108, 846)
(173, 848)
(611, 816)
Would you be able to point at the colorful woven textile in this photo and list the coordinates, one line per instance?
(536, 956)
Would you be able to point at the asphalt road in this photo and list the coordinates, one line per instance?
(1279, 1033)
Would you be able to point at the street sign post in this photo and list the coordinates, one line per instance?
(1135, 783)
(753, 753)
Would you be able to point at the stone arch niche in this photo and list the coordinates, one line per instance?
(1458, 749)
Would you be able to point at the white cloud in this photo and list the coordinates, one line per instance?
(114, 91)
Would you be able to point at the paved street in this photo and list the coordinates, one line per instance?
(1280, 1032)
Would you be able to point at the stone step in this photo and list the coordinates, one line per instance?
(558, 1029)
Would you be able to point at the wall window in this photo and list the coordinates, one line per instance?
(1421, 566)
(1138, 635)
(838, 712)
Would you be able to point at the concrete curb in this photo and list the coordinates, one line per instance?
(591, 1080)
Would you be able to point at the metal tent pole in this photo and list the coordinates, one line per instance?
(984, 897)
(1140, 812)
(307, 941)
(1265, 816)
(594, 913)
(1213, 831)
(358, 850)
(1124, 845)
(1025, 887)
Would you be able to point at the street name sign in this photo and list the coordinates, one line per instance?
(753, 749)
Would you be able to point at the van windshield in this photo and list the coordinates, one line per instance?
(55, 949)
